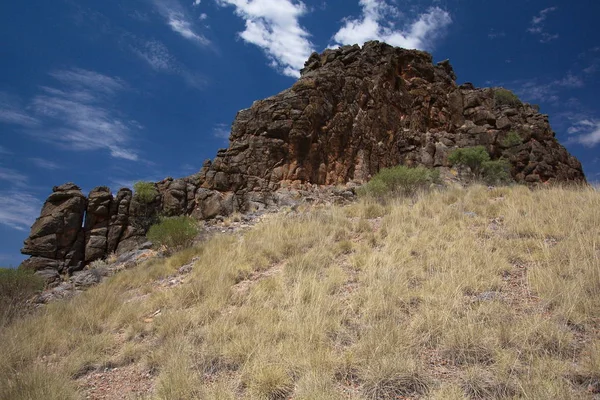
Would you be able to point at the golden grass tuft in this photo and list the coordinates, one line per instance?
(469, 293)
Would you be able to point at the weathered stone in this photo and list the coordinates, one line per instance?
(54, 234)
(96, 223)
(119, 218)
(503, 123)
(85, 279)
(353, 112)
(39, 263)
(49, 275)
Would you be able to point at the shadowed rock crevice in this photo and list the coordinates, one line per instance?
(353, 112)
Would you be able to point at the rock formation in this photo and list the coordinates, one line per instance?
(353, 111)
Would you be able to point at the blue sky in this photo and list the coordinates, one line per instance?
(110, 92)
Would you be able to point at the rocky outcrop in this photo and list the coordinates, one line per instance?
(356, 110)
(56, 240)
(353, 111)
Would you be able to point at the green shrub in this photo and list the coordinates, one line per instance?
(173, 232)
(399, 180)
(479, 162)
(504, 97)
(16, 286)
(496, 172)
(374, 188)
(472, 157)
(145, 192)
(512, 139)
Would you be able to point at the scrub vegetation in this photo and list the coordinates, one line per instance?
(460, 293)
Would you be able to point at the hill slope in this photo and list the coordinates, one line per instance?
(353, 112)
(465, 293)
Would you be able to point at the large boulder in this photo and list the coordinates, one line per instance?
(55, 235)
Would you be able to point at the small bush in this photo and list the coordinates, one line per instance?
(496, 172)
(16, 286)
(399, 180)
(504, 97)
(173, 232)
(512, 139)
(144, 192)
(472, 157)
(479, 162)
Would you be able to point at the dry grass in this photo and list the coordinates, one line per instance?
(459, 294)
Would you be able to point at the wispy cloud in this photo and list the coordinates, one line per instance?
(3, 150)
(273, 25)
(377, 23)
(85, 81)
(537, 25)
(158, 57)
(221, 131)
(536, 90)
(18, 210)
(494, 34)
(13, 177)
(177, 18)
(12, 112)
(44, 164)
(80, 114)
(570, 81)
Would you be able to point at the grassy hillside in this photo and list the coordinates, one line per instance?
(460, 294)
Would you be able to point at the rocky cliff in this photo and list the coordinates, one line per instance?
(353, 111)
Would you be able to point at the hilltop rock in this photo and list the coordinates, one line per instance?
(357, 110)
(353, 112)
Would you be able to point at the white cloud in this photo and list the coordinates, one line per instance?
(196, 2)
(80, 116)
(537, 25)
(376, 23)
(203, 17)
(177, 18)
(44, 164)
(179, 24)
(273, 25)
(18, 210)
(587, 131)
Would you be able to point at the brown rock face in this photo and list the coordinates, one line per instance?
(354, 111)
(56, 235)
